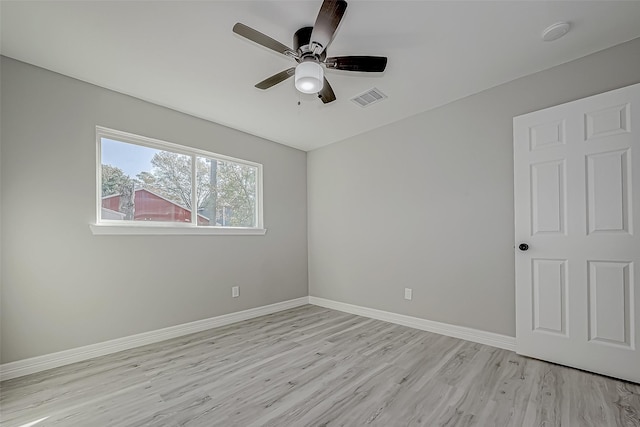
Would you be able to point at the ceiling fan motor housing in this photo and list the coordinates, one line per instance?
(301, 40)
(302, 37)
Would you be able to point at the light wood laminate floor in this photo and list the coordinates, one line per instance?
(311, 366)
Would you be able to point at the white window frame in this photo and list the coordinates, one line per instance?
(105, 226)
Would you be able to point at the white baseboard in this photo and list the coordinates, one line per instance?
(41, 363)
(54, 360)
(489, 338)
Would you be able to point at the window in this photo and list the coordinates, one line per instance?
(156, 187)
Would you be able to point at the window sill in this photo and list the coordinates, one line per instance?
(159, 230)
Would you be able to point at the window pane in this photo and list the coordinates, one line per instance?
(227, 191)
(145, 184)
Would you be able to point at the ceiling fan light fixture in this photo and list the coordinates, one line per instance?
(309, 77)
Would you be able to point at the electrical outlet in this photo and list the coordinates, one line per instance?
(235, 291)
(408, 293)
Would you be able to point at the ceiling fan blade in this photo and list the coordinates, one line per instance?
(263, 39)
(329, 17)
(326, 94)
(370, 64)
(276, 78)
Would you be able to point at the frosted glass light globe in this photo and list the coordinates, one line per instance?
(309, 77)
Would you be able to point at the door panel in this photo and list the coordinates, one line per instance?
(608, 192)
(547, 135)
(549, 296)
(577, 198)
(610, 307)
(607, 122)
(547, 197)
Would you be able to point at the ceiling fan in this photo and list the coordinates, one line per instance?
(310, 51)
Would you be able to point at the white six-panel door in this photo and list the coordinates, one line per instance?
(577, 207)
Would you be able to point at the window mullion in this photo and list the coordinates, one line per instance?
(194, 191)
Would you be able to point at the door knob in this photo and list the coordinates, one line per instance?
(523, 247)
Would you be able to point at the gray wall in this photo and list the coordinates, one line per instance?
(427, 202)
(63, 287)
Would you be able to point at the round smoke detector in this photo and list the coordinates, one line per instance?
(555, 31)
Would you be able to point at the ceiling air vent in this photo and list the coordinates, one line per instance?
(369, 97)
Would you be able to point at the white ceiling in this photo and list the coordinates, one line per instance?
(183, 55)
